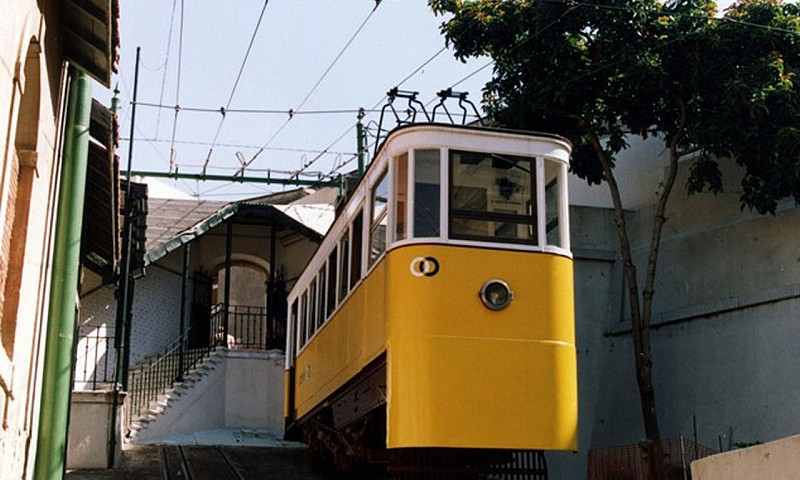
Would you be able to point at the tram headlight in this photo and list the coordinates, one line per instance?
(496, 294)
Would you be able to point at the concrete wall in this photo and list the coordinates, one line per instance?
(24, 23)
(244, 390)
(88, 433)
(776, 460)
(725, 324)
(254, 389)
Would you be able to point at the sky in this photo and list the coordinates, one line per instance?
(292, 65)
(324, 57)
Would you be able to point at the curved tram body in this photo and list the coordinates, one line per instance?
(437, 315)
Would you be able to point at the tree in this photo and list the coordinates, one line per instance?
(600, 73)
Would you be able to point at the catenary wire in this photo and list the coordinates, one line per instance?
(313, 89)
(177, 90)
(166, 62)
(236, 83)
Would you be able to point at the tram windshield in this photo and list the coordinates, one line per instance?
(492, 197)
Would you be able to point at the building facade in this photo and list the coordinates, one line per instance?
(44, 62)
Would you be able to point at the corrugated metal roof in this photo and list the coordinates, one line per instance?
(172, 223)
(168, 217)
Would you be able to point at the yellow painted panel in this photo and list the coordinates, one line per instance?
(462, 375)
(482, 393)
(355, 335)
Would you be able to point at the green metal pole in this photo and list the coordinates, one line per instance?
(61, 321)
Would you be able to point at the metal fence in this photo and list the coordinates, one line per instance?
(665, 460)
(95, 358)
(248, 325)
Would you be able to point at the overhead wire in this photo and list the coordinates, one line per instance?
(177, 91)
(222, 111)
(166, 62)
(249, 110)
(375, 107)
(237, 145)
(291, 113)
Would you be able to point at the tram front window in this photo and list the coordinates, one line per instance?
(492, 197)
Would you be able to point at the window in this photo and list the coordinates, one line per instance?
(303, 317)
(312, 308)
(331, 282)
(552, 202)
(355, 256)
(344, 276)
(401, 196)
(18, 191)
(322, 293)
(426, 193)
(293, 322)
(492, 198)
(378, 226)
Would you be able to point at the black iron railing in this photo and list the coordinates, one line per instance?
(95, 358)
(157, 373)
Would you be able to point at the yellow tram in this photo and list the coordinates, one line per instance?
(438, 311)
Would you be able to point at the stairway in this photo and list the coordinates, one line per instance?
(170, 399)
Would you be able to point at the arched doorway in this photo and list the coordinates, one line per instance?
(247, 309)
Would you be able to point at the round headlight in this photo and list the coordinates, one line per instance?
(496, 294)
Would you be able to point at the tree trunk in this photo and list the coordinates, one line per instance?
(639, 324)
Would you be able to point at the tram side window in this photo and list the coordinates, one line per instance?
(401, 196)
(344, 274)
(378, 226)
(321, 301)
(312, 308)
(303, 317)
(492, 197)
(426, 193)
(332, 282)
(552, 202)
(355, 257)
(293, 323)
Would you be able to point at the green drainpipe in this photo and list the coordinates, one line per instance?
(57, 382)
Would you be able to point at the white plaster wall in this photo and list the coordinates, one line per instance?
(774, 461)
(254, 386)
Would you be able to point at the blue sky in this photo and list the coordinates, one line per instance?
(296, 43)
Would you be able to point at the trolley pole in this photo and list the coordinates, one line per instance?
(121, 334)
(360, 139)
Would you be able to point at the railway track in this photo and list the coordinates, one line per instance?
(198, 463)
(239, 463)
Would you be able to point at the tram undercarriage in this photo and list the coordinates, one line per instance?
(349, 430)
